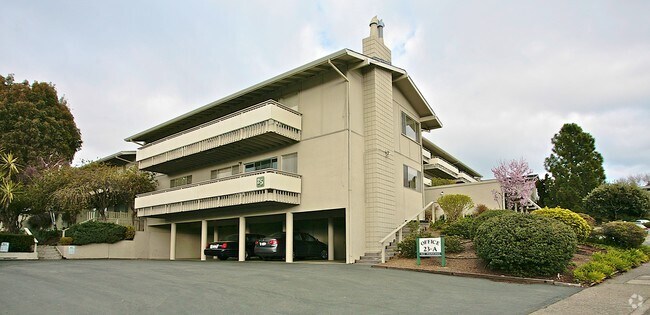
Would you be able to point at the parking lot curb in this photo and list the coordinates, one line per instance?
(500, 278)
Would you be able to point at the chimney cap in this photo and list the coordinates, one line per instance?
(381, 23)
(374, 20)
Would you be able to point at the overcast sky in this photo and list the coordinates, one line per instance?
(502, 76)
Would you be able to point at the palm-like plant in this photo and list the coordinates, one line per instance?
(9, 188)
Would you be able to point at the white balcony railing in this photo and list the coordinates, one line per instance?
(426, 155)
(266, 117)
(248, 188)
(466, 178)
(445, 166)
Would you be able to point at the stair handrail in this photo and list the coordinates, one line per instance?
(35, 240)
(401, 226)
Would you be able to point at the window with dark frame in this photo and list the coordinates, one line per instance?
(412, 178)
(410, 127)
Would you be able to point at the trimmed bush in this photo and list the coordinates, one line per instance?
(590, 220)
(130, 233)
(65, 241)
(525, 245)
(96, 232)
(486, 216)
(603, 265)
(453, 244)
(462, 227)
(18, 243)
(623, 234)
(568, 217)
(613, 258)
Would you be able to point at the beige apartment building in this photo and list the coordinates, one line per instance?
(332, 148)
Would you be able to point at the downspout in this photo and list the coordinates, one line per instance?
(348, 259)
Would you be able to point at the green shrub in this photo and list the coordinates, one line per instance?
(568, 217)
(437, 181)
(623, 234)
(592, 272)
(480, 208)
(65, 240)
(47, 237)
(96, 232)
(130, 233)
(635, 256)
(590, 220)
(438, 224)
(462, 227)
(525, 245)
(18, 242)
(613, 258)
(645, 249)
(486, 216)
(453, 244)
(454, 205)
(407, 248)
(617, 202)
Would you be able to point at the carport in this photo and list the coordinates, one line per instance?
(328, 226)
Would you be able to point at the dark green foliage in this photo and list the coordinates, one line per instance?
(525, 245)
(438, 224)
(35, 123)
(437, 181)
(542, 191)
(96, 232)
(623, 234)
(617, 202)
(408, 246)
(575, 166)
(462, 227)
(47, 237)
(486, 216)
(18, 242)
(453, 244)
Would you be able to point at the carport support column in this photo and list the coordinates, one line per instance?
(288, 253)
(215, 237)
(172, 243)
(204, 237)
(242, 239)
(330, 239)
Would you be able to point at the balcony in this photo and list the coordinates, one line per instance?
(426, 156)
(260, 127)
(438, 167)
(466, 178)
(265, 186)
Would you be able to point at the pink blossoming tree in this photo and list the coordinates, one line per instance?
(517, 183)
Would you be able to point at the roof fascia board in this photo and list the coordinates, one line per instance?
(287, 74)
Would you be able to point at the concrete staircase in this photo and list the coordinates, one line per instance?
(46, 252)
(374, 258)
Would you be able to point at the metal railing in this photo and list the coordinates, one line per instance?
(397, 232)
(35, 240)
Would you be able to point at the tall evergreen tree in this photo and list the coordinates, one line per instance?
(35, 123)
(575, 166)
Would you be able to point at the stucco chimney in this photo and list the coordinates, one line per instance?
(373, 45)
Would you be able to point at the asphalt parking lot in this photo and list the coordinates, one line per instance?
(254, 287)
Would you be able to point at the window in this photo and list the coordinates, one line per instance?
(290, 163)
(410, 127)
(224, 172)
(412, 178)
(260, 165)
(185, 180)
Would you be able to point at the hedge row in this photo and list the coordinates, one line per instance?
(18, 242)
(96, 232)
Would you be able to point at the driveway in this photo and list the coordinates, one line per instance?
(182, 287)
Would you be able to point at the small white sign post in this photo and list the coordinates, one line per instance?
(432, 247)
(4, 247)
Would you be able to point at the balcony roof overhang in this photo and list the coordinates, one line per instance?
(118, 159)
(438, 151)
(257, 92)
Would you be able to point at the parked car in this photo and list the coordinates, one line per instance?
(229, 247)
(304, 245)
